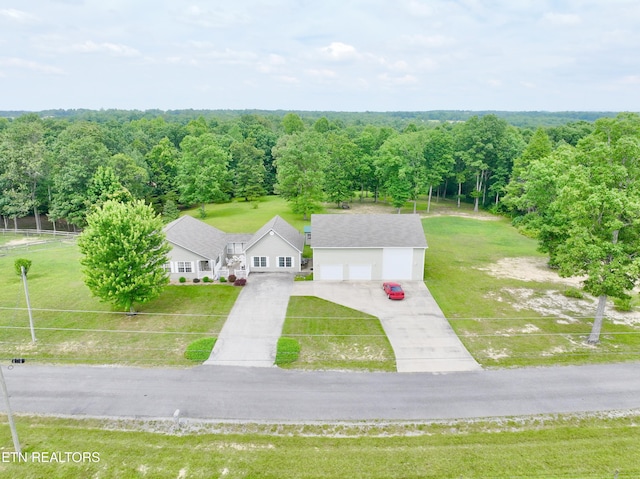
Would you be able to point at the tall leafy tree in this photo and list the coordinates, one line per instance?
(77, 153)
(249, 169)
(539, 147)
(401, 167)
(438, 157)
(22, 167)
(292, 123)
(483, 145)
(162, 161)
(300, 161)
(340, 169)
(594, 212)
(202, 171)
(124, 253)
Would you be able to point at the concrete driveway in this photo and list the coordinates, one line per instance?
(250, 335)
(421, 337)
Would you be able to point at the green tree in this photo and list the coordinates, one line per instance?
(131, 173)
(594, 212)
(170, 211)
(162, 162)
(340, 169)
(202, 171)
(539, 147)
(20, 263)
(124, 253)
(438, 157)
(485, 146)
(77, 153)
(105, 186)
(22, 167)
(401, 167)
(300, 160)
(249, 169)
(292, 123)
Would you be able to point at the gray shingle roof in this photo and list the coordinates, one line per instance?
(366, 231)
(196, 236)
(282, 229)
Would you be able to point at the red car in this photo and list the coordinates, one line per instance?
(393, 290)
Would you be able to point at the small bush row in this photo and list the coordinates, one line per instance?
(288, 351)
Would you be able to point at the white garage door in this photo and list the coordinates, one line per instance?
(397, 263)
(360, 272)
(331, 272)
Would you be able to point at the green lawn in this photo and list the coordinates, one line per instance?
(248, 217)
(72, 326)
(560, 447)
(482, 310)
(332, 336)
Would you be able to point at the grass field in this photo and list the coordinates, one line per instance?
(501, 332)
(73, 326)
(332, 336)
(248, 217)
(489, 318)
(539, 447)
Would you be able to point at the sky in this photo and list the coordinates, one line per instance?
(327, 55)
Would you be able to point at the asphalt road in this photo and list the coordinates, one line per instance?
(271, 394)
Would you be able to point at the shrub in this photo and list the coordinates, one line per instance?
(196, 280)
(232, 278)
(288, 351)
(239, 281)
(206, 279)
(223, 279)
(573, 293)
(622, 304)
(200, 350)
(182, 279)
(19, 263)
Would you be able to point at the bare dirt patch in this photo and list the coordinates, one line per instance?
(550, 302)
(530, 269)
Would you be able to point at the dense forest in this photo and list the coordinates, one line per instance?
(61, 162)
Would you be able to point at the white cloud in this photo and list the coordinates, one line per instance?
(338, 51)
(17, 15)
(20, 63)
(113, 49)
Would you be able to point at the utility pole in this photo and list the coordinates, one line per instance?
(12, 425)
(26, 293)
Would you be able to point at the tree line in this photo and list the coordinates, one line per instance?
(62, 166)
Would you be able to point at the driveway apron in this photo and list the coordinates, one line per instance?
(250, 335)
(421, 337)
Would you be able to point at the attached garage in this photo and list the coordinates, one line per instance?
(367, 247)
(397, 263)
(359, 272)
(331, 272)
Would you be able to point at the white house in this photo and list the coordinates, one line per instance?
(367, 247)
(200, 250)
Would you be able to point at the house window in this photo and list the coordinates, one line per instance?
(204, 266)
(260, 262)
(285, 261)
(185, 267)
(167, 267)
